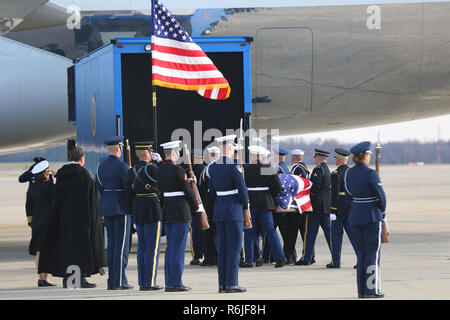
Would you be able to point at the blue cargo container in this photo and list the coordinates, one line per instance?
(110, 94)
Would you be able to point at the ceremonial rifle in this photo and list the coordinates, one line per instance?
(246, 212)
(384, 232)
(204, 225)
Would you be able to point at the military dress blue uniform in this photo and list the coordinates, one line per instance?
(321, 202)
(366, 214)
(227, 186)
(340, 206)
(111, 179)
(263, 185)
(179, 201)
(146, 210)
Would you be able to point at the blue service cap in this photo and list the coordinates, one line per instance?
(112, 141)
(361, 147)
(281, 151)
(341, 153)
(321, 153)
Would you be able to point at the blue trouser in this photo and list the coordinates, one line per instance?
(337, 232)
(176, 235)
(148, 248)
(118, 234)
(196, 236)
(367, 238)
(264, 220)
(312, 223)
(229, 242)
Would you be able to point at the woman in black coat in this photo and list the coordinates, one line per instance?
(41, 200)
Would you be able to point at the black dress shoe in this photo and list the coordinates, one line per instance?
(207, 264)
(313, 261)
(332, 266)
(375, 295)
(302, 262)
(222, 290)
(259, 262)
(43, 283)
(127, 287)
(177, 289)
(194, 262)
(246, 265)
(155, 287)
(115, 288)
(280, 263)
(87, 285)
(235, 289)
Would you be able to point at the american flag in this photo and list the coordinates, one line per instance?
(179, 63)
(295, 189)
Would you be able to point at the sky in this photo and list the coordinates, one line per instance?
(426, 130)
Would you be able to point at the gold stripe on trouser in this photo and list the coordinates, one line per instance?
(192, 241)
(304, 241)
(331, 243)
(155, 254)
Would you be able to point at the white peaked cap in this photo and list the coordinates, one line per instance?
(213, 149)
(258, 150)
(41, 166)
(171, 145)
(226, 139)
(297, 152)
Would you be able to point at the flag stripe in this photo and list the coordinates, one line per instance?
(190, 82)
(175, 43)
(183, 66)
(188, 74)
(180, 59)
(179, 52)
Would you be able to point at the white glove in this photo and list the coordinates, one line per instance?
(157, 157)
(200, 208)
(194, 178)
(332, 216)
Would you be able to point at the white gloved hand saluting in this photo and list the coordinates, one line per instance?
(157, 157)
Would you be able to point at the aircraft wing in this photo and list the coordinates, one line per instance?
(21, 15)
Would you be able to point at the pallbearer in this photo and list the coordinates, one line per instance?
(364, 188)
(179, 200)
(340, 206)
(321, 202)
(263, 186)
(111, 180)
(146, 210)
(226, 184)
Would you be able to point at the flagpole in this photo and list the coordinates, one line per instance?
(154, 104)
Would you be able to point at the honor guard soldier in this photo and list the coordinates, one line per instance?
(363, 187)
(146, 210)
(340, 206)
(263, 185)
(179, 200)
(226, 184)
(295, 222)
(111, 180)
(321, 202)
(299, 168)
(208, 235)
(280, 159)
(198, 166)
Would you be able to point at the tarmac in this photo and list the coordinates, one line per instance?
(415, 264)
